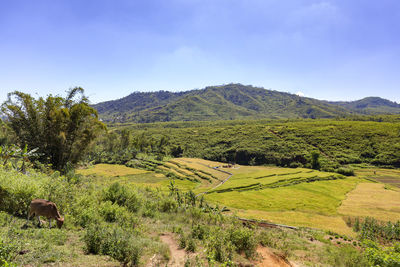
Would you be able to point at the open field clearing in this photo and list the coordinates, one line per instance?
(372, 199)
(203, 166)
(298, 197)
(387, 176)
(112, 170)
(252, 177)
(307, 204)
(298, 218)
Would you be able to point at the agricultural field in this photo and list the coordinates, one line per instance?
(386, 176)
(292, 196)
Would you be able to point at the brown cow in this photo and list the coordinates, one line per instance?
(42, 207)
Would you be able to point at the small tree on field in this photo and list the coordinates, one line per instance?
(61, 128)
(315, 164)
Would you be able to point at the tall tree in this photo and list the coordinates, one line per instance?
(61, 128)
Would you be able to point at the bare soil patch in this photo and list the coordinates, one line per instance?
(270, 259)
(177, 255)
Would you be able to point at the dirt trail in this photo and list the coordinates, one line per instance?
(269, 259)
(177, 255)
(221, 183)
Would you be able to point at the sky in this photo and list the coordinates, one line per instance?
(332, 50)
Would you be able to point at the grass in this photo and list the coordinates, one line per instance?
(317, 204)
(48, 246)
(307, 204)
(387, 176)
(303, 219)
(202, 165)
(110, 170)
(251, 175)
(372, 199)
(319, 197)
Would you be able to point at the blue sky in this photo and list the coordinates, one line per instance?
(335, 50)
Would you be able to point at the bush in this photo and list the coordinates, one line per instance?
(123, 196)
(378, 256)
(149, 209)
(199, 231)
(83, 211)
(168, 205)
(17, 191)
(191, 245)
(345, 171)
(182, 241)
(117, 242)
(244, 241)
(113, 212)
(94, 238)
(7, 253)
(219, 247)
(346, 256)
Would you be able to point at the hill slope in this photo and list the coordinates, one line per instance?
(232, 101)
(371, 105)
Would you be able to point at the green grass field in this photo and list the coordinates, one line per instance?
(292, 196)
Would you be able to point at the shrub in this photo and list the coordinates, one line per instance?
(199, 231)
(378, 256)
(7, 253)
(295, 165)
(244, 241)
(345, 171)
(266, 239)
(219, 247)
(123, 196)
(94, 238)
(191, 245)
(168, 205)
(113, 212)
(346, 256)
(117, 242)
(17, 191)
(83, 211)
(182, 241)
(149, 209)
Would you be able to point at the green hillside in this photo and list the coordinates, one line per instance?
(258, 142)
(227, 102)
(371, 105)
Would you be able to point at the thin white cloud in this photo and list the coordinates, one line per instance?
(300, 93)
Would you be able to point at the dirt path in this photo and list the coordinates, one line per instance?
(177, 255)
(221, 183)
(270, 259)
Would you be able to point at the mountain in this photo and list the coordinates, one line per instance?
(226, 102)
(371, 105)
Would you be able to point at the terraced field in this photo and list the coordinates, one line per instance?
(298, 197)
(386, 176)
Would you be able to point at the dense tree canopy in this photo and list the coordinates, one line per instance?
(61, 128)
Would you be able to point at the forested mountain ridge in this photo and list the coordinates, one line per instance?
(226, 102)
(371, 106)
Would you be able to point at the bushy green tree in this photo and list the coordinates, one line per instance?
(61, 128)
(315, 160)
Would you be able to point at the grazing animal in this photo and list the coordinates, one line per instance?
(42, 207)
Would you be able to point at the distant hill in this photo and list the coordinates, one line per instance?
(371, 105)
(226, 102)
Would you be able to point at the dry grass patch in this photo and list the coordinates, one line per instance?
(300, 219)
(372, 199)
(110, 170)
(203, 165)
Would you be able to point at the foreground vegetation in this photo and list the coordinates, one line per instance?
(105, 224)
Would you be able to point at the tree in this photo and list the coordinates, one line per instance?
(315, 160)
(61, 128)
